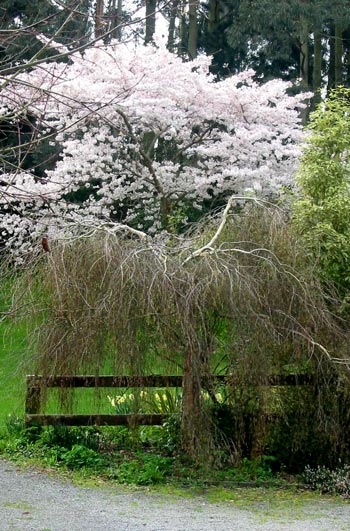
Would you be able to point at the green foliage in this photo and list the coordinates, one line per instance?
(255, 469)
(322, 214)
(163, 401)
(68, 437)
(237, 425)
(257, 30)
(152, 458)
(323, 479)
(143, 469)
(79, 456)
(305, 434)
(169, 436)
(273, 38)
(113, 452)
(166, 401)
(14, 424)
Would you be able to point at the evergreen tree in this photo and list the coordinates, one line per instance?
(22, 21)
(291, 39)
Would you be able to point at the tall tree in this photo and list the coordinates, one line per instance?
(111, 19)
(144, 132)
(173, 15)
(317, 65)
(304, 45)
(213, 37)
(192, 29)
(331, 61)
(287, 39)
(338, 53)
(322, 211)
(99, 22)
(151, 8)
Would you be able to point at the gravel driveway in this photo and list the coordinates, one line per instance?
(35, 501)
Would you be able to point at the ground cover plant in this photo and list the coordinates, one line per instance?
(140, 457)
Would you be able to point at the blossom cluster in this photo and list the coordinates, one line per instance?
(140, 134)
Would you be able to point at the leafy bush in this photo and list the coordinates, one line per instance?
(67, 437)
(322, 214)
(143, 469)
(81, 457)
(329, 481)
(312, 428)
(170, 440)
(255, 469)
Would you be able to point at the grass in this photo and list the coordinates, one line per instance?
(14, 350)
(12, 346)
(12, 372)
(267, 504)
(13, 369)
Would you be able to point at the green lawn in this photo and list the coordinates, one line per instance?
(14, 356)
(12, 370)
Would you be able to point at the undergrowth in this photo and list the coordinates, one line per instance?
(142, 456)
(326, 480)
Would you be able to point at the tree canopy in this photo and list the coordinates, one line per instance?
(141, 135)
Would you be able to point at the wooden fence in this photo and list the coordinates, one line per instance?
(36, 384)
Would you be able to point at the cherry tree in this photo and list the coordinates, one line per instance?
(139, 136)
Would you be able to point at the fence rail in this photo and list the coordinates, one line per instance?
(35, 385)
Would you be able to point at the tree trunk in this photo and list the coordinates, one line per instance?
(165, 210)
(192, 29)
(172, 20)
(304, 53)
(182, 47)
(99, 29)
(317, 71)
(338, 54)
(118, 21)
(304, 62)
(193, 427)
(213, 15)
(151, 6)
(331, 62)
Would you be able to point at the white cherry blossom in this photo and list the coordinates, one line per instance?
(144, 134)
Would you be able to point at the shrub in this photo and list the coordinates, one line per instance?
(81, 457)
(322, 213)
(250, 308)
(329, 481)
(143, 469)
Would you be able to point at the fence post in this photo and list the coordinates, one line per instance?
(33, 395)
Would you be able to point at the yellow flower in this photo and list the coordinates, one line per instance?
(157, 396)
(116, 400)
